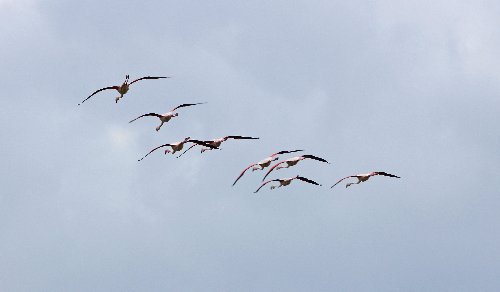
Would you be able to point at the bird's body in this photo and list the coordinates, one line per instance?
(364, 177)
(215, 143)
(176, 146)
(291, 162)
(264, 163)
(164, 118)
(286, 181)
(122, 89)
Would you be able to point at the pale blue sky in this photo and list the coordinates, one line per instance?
(411, 88)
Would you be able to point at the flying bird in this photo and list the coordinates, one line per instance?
(177, 146)
(264, 163)
(166, 116)
(291, 162)
(215, 143)
(122, 89)
(286, 181)
(364, 177)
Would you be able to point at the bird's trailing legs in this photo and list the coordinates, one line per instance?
(349, 184)
(118, 98)
(158, 128)
(280, 167)
(206, 149)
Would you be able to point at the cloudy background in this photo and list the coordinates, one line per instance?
(411, 88)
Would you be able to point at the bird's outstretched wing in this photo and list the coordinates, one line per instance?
(186, 104)
(265, 184)
(243, 172)
(285, 152)
(154, 150)
(342, 180)
(146, 115)
(203, 143)
(272, 168)
(97, 91)
(239, 137)
(315, 158)
(384, 174)
(147, 77)
(307, 180)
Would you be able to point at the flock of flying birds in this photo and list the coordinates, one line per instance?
(216, 143)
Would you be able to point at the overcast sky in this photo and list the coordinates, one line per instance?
(411, 88)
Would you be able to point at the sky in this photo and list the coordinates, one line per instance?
(407, 87)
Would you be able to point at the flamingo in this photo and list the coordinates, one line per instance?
(264, 163)
(291, 162)
(122, 89)
(166, 116)
(286, 181)
(177, 146)
(217, 142)
(364, 177)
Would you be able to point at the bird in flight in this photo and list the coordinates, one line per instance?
(291, 162)
(215, 143)
(286, 181)
(264, 162)
(177, 146)
(364, 177)
(122, 89)
(166, 116)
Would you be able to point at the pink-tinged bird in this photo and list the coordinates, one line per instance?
(177, 146)
(291, 162)
(122, 89)
(215, 143)
(364, 177)
(286, 181)
(264, 163)
(166, 116)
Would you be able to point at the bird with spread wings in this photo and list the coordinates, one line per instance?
(217, 142)
(293, 161)
(286, 181)
(164, 118)
(122, 89)
(364, 177)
